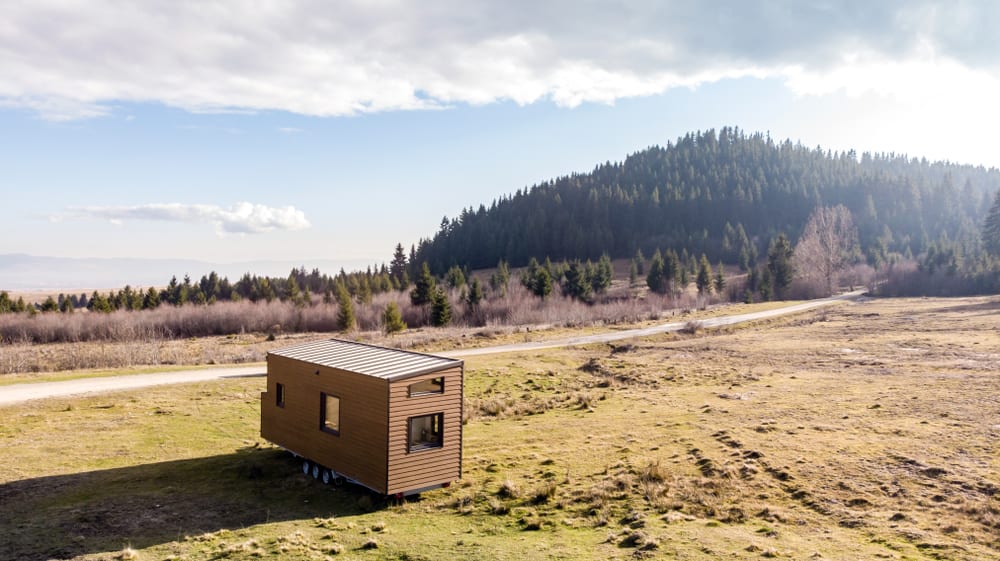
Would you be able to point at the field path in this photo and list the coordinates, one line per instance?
(18, 393)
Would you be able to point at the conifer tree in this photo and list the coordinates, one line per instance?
(440, 308)
(720, 278)
(50, 305)
(392, 320)
(577, 285)
(657, 279)
(151, 300)
(779, 266)
(423, 288)
(455, 278)
(475, 295)
(500, 278)
(704, 278)
(991, 228)
(345, 313)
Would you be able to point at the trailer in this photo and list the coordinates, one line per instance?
(387, 419)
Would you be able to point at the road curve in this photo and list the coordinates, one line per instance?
(19, 393)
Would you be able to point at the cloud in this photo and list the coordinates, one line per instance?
(75, 60)
(241, 218)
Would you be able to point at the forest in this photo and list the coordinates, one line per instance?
(725, 194)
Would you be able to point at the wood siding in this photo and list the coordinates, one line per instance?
(414, 470)
(359, 451)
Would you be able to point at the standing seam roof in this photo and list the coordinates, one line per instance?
(370, 360)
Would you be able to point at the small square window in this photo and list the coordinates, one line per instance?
(434, 385)
(279, 395)
(425, 432)
(329, 414)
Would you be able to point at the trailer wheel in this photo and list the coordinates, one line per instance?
(338, 480)
(315, 471)
(327, 477)
(306, 467)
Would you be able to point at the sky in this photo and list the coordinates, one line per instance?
(310, 130)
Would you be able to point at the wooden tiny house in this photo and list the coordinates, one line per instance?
(388, 419)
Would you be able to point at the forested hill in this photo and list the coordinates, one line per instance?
(710, 192)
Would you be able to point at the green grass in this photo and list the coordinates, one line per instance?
(860, 432)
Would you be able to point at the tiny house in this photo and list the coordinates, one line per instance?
(388, 419)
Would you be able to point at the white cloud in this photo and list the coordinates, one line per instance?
(241, 218)
(75, 60)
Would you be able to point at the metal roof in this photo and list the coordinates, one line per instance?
(380, 362)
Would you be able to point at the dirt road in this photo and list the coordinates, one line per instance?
(18, 393)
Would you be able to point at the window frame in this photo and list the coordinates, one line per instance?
(438, 418)
(279, 394)
(323, 396)
(411, 393)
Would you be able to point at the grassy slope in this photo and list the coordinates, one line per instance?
(860, 432)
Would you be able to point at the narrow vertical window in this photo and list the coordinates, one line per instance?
(279, 395)
(329, 413)
(425, 432)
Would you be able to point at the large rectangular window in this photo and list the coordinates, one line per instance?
(434, 385)
(329, 413)
(279, 395)
(425, 432)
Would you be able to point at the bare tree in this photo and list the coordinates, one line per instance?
(827, 246)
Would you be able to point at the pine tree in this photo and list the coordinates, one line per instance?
(991, 228)
(398, 266)
(660, 278)
(345, 312)
(292, 292)
(500, 278)
(779, 265)
(633, 273)
(542, 283)
(577, 285)
(423, 288)
(50, 305)
(704, 278)
(440, 308)
(475, 295)
(392, 320)
(603, 274)
(720, 279)
(152, 299)
(455, 278)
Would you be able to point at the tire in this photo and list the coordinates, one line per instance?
(306, 467)
(326, 477)
(316, 471)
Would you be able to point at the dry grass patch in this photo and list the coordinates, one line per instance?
(655, 464)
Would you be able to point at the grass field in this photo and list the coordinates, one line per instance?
(861, 431)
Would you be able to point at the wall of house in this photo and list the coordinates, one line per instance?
(424, 468)
(359, 451)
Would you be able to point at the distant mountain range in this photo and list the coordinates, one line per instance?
(30, 272)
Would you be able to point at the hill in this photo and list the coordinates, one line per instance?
(720, 193)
